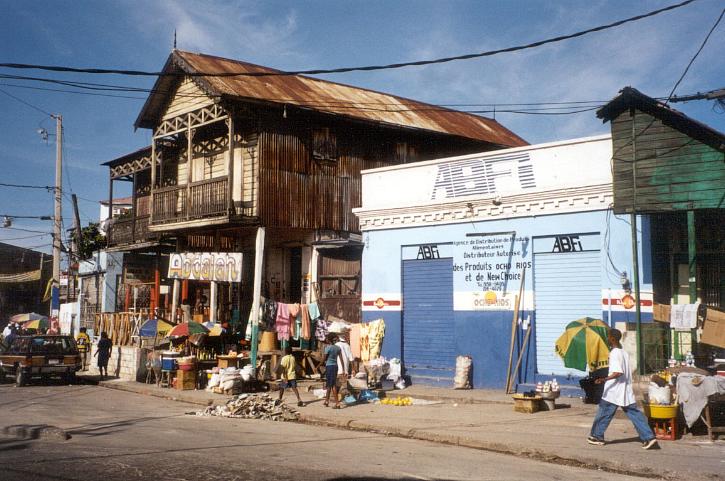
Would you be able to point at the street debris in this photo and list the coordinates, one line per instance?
(252, 406)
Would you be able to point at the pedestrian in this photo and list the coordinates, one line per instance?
(343, 365)
(618, 393)
(333, 353)
(104, 354)
(288, 366)
(83, 342)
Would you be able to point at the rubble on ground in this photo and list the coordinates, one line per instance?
(253, 406)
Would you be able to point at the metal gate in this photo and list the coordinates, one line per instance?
(429, 350)
(567, 287)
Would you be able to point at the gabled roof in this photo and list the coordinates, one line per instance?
(317, 95)
(632, 98)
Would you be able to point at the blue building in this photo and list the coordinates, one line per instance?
(451, 244)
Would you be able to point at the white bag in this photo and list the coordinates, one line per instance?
(214, 380)
(659, 395)
(462, 380)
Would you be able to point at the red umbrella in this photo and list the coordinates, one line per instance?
(187, 329)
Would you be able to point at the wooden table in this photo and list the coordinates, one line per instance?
(713, 431)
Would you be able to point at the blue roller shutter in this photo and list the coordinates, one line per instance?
(429, 350)
(567, 287)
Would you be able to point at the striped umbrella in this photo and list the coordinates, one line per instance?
(584, 344)
(187, 329)
(154, 327)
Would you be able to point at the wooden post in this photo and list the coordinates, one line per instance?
(153, 175)
(257, 293)
(189, 168)
(174, 300)
(185, 289)
(157, 284)
(230, 170)
(213, 302)
(521, 356)
(514, 324)
(692, 268)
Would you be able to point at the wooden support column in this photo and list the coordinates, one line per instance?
(692, 269)
(189, 158)
(213, 301)
(127, 300)
(257, 293)
(157, 282)
(230, 170)
(153, 175)
(110, 209)
(174, 300)
(185, 289)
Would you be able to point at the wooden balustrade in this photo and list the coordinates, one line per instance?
(205, 198)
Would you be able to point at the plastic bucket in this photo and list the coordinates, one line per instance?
(168, 364)
(659, 411)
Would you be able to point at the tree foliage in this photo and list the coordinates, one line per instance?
(91, 240)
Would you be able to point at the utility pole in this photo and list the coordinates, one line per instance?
(55, 286)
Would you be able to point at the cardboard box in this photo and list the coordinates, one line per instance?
(185, 380)
(661, 312)
(713, 332)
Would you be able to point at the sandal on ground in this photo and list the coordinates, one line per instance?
(336, 406)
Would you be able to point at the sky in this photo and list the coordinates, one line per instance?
(650, 55)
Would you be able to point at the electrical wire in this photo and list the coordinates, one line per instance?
(368, 68)
(24, 237)
(41, 217)
(26, 103)
(25, 230)
(23, 186)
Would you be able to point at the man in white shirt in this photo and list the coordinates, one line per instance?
(343, 366)
(618, 393)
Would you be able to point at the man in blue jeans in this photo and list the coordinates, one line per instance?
(618, 393)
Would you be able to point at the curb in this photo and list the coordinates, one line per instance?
(453, 440)
(45, 432)
(499, 448)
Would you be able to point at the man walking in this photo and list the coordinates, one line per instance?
(618, 393)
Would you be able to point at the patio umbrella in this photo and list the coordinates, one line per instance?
(154, 327)
(187, 329)
(37, 324)
(27, 316)
(214, 329)
(584, 344)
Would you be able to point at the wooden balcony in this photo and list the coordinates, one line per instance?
(204, 199)
(130, 230)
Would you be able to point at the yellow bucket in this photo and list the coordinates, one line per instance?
(662, 411)
(268, 341)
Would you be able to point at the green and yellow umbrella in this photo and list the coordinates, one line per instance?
(584, 344)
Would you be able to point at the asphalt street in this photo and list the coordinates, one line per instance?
(119, 435)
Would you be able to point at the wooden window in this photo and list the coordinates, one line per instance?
(324, 144)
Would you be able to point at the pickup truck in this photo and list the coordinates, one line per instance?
(40, 356)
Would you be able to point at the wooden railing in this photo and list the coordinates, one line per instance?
(130, 230)
(205, 199)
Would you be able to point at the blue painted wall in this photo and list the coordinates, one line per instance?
(486, 335)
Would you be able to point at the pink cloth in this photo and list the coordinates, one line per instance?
(294, 310)
(355, 340)
(282, 323)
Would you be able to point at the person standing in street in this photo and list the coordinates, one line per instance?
(288, 366)
(332, 354)
(104, 354)
(618, 392)
(83, 342)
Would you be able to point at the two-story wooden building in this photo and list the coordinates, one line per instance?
(237, 147)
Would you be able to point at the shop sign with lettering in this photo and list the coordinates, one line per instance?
(206, 266)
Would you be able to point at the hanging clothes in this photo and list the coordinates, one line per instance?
(322, 329)
(375, 336)
(365, 342)
(294, 311)
(314, 311)
(355, 341)
(282, 322)
(305, 314)
(269, 315)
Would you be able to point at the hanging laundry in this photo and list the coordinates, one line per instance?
(376, 335)
(269, 315)
(322, 329)
(365, 342)
(314, 311)
(306, 332)
(355, 340)
(282, 322)
(294, 310)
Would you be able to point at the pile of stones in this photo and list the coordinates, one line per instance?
(253, 406)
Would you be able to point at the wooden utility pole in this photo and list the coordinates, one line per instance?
(55, 286)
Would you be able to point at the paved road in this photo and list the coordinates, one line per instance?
(119, 435)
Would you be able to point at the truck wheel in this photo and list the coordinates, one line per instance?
(20, 377)
(70, 377)
(3, 376)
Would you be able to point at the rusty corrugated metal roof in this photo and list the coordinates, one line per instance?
(322, 96)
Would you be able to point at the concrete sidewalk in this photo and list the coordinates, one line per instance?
(484, 419)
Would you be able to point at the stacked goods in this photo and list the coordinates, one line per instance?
(252, 406)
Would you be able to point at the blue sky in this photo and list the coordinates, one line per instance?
(649, 55)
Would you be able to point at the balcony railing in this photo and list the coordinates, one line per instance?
(129, 231)
(206, 198)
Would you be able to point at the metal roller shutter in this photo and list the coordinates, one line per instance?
(567, 287)
(428, 343)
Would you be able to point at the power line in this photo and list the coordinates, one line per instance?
(26, 103)
(23, 186)
(41, 217)
(25, 237)
(25, 230)
(489, 53)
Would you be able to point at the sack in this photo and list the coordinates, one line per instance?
(462, 380)
(214, 380)
(659, 395)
